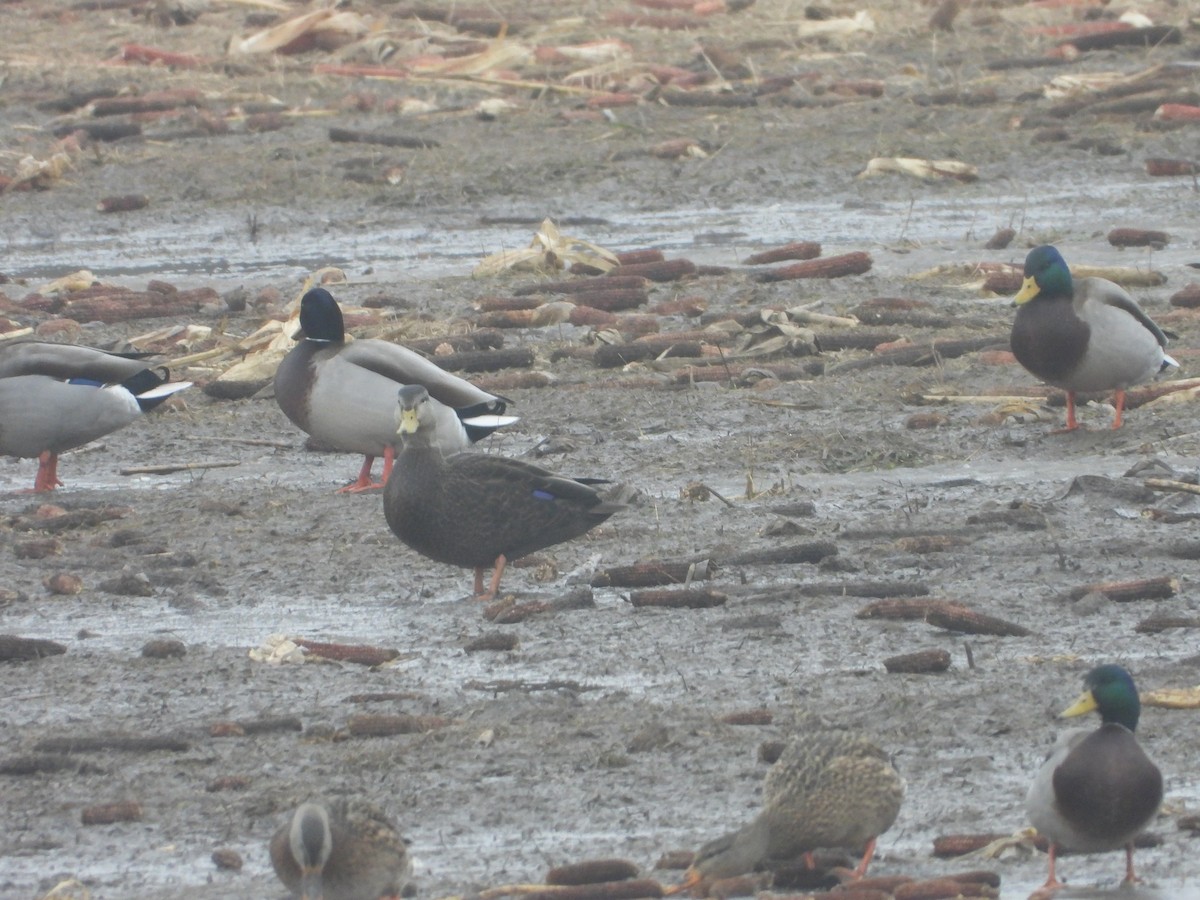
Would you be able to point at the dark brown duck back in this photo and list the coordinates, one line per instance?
(468, 509)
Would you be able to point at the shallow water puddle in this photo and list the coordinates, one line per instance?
(217, 247)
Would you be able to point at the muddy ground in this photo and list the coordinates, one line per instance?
(602, 733)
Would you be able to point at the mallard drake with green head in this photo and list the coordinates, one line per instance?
(343, 850)
(477, 510)
(1083, 335)
(1098, 789)
(343, 393)
(55, 397)
(828, 789)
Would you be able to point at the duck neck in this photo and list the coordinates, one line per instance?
(1123, 710)
(737, 853)
(418, 459)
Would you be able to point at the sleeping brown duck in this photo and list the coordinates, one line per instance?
(477, 510)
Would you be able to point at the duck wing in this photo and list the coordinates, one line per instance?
(1100, 290)
(405, 366)
(68, 361)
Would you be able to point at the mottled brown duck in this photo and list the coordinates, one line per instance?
(1083, 334)
(343, 392)
(342, 850)
(1097, 790)
(476, 510)
(829, 789)
(55, 397)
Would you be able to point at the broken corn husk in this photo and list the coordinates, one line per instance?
(41, 172)
(277, 649)
(320, 25)
(68, 284)
(1173, 698)
(927, 169)
(861, 21)
(549, 251)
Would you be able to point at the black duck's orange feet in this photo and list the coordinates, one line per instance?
(494, 588)
(1130, 877)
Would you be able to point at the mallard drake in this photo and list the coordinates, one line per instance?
(476, 510)
(1097, 790)
(54, 397)
(343, 393)
(1083, 335)
(343, 850)
(828, 789)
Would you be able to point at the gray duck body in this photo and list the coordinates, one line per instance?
(1095, 338)
(1083, 334)
(343, 393)
(1097, 789)
(55, 397)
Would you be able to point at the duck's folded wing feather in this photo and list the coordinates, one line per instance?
(1098, 290)
(406, 366)
(66, 361)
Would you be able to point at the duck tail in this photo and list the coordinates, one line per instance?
(482, 419)
(1167, 363)
(151, 387)
(145, 380)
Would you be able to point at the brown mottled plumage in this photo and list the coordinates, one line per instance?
(828, 789)
(342, 850)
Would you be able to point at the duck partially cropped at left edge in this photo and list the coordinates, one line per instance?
(55, 397)
(343, 393)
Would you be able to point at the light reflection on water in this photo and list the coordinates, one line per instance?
(218, 248)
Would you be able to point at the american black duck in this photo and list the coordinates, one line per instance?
(476, 510)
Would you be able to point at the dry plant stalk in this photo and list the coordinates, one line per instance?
(674, 598)
(1159, 588)
(360, 654)
(593, 871)
(968, 621)
(653, 573)
(920, 662)
(110, 813)
(381, 725)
